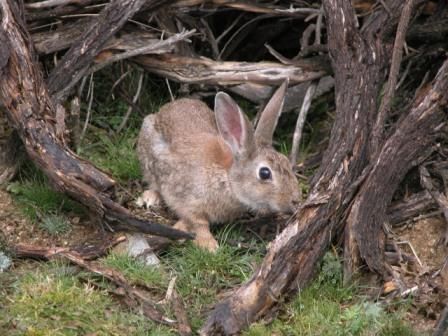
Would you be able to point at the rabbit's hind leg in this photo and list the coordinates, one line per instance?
(199, 226)
(149, 199)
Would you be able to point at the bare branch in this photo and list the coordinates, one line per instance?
(301, 121)
(203, 70)
(397, 55)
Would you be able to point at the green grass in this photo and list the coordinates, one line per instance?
(116, 155)
(55, 224)
(42, 205)
(136, 271)
(327, 307)
(203, 275)
(46, 301)
(37, 199)
(200, 275)
(55, 299)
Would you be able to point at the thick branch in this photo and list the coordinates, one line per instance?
(405, 148)
(28, 104)
(207, 71)
(397, 54)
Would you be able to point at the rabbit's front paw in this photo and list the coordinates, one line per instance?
(210, 244)
(149, 199)
(206, 241)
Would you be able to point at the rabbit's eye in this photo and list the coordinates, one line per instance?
(265, 173)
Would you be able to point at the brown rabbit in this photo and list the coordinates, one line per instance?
(212, 167)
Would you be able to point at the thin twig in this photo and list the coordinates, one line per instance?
(149, 49)
(306, 35)
(278, 56)
(49, 3)
(397, 55)
(413, 251)
(134, 101)
(118, 81)
(301, 120)
(211, 39)
(226, 45)
(89, 107)
(291, 9)
(404, 75)
(167, 81)
(442, 323)
(229, 28)
(318, 35)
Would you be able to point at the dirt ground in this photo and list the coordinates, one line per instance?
(15, 228)
(426, 278)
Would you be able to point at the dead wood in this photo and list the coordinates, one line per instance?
(408, 146)
(183, 326)
(397, 55)
(47, 42)
(29, 107)
(78, 7)
(429, 32)
(249, 6)
(89, 251)
(73, 66)
(10, 155)
(406, 210)
(134, 297)
(207, 71)
(258, 93)
(439, 197)
(357, 178)
(442, 323)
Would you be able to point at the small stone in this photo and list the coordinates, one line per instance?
(5, 262)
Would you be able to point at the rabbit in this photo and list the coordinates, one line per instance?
(213, 167)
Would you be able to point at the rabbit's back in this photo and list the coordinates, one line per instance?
(185, 160)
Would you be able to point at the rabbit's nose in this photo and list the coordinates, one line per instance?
(293, 206)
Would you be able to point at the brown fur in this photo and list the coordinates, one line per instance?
(204, 177)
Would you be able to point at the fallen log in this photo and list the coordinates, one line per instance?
(30, 109)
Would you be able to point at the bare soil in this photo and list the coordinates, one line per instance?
(15, 228)
(428, 280)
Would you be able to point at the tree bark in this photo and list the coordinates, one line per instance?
(30, 109)
(406, 147)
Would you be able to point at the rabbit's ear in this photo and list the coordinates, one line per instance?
(269, 117)
(233, 125)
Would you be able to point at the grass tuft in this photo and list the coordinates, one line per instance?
(55, 224)
(202, 276)
(45, 302)
(115, 155)
(39, 202)
(327, 307)
(136, 271)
